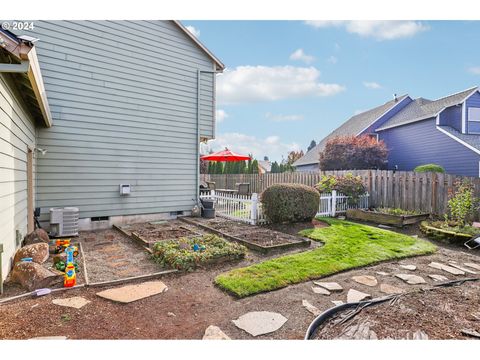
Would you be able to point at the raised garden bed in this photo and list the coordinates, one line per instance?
(190, 253)
(442, 231)
(253, 237)
(147, 234)
(380, 217)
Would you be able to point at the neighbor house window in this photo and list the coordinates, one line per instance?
(473, 114)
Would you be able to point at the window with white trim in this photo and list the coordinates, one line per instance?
(474, 114)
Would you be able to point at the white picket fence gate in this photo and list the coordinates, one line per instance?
(248, 209)
(332, 204)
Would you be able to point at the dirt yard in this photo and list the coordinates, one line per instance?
(193, 302)
(440, 314)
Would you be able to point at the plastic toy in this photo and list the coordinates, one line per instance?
(196, 247)
(70, 278)
(62, 244)
(70, 253)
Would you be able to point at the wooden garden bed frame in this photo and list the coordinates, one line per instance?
(386, 219)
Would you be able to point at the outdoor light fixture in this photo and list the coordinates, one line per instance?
(41, 151)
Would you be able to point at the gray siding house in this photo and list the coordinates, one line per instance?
(128, 103)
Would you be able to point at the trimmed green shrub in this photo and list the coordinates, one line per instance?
(429, 168)
(190, 253)
(290, 203)
(349, 185)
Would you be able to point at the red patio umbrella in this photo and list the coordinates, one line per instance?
(225, 155)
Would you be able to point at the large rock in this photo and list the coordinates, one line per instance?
(38, 252)
(37, 236)
(31, 276)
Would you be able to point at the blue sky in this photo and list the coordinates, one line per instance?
(288, 82)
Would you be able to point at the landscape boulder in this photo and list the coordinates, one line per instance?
(31, 276)
(38, 252)
(37, 236)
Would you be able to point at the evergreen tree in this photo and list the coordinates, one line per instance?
(275, 167)
(241, 167)
(254, 167)
(219, 168)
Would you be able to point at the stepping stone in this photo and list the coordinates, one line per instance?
(409, 267)
(411, 279)
(337, 302)
(381, 226)
(311, 308)
(472, 265)
(49, 338)
(76, 302)
(438, 277)
(462, 268)
(356, 296)
(390, 289)
(215, 333)
(446, 268)
(383, 273)
(131, 293)
(260, 322)
(320, 290)
(365, 280)
(331, 286)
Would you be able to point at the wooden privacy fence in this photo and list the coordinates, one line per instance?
(408, 190)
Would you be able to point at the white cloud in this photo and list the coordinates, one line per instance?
(300, 55)
(221, 115)
(193, 31)
(372, 85)
(271, 146)
(474, 70)
(270, 83)
(283, 118)
(380, 30)
(332, 59)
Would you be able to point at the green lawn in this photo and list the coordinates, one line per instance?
(347, 245)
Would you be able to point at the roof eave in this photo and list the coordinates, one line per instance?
(218, 64)
(25, 53)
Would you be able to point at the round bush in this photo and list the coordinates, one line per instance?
(429, 168)
(290, 203)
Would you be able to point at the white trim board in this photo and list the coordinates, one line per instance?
(390, 109)
(458, 140)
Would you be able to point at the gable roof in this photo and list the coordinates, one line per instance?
(421, 109)
(265, 164)
(353, 126)
(220, 65)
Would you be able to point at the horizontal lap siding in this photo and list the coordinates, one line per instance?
(421, 143)
(123, 97)
(452, 117)
(17, 133)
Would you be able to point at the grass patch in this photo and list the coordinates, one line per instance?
(347, 245)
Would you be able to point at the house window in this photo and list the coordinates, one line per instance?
(473, 114)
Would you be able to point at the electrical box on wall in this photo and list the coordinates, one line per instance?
(125, 189)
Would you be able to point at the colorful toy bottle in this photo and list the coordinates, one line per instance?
(69, 251)
(70, 279)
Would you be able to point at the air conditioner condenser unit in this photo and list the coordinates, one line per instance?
(64, 221)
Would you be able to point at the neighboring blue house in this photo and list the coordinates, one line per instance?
(445, 131)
